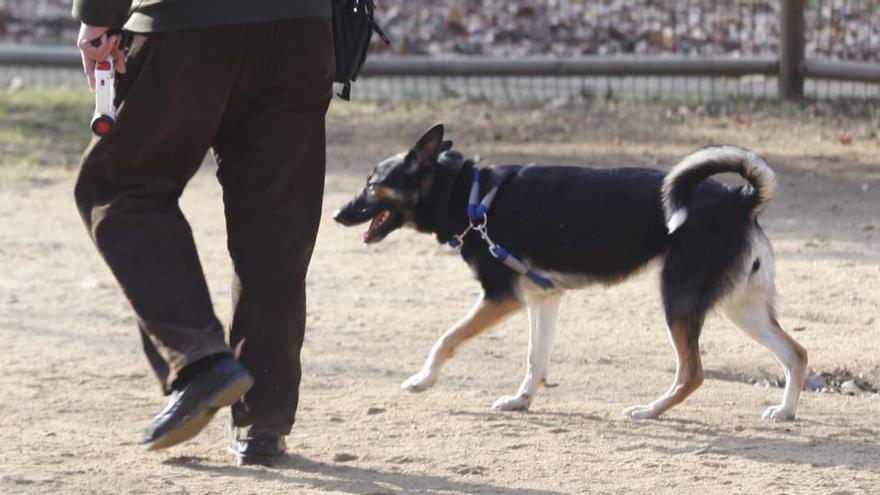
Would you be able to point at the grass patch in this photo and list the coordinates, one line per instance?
(43, 129)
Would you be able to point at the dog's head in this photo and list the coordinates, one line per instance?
(394, 188)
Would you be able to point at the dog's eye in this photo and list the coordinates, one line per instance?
(371, 190)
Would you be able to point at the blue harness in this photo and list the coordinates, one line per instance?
(478, 217)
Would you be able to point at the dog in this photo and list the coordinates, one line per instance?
(567, 228)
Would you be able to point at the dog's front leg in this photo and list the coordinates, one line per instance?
(484, 314)
(542, 328)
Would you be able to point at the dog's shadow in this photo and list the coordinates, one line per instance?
(776, 444)
(772, 443)
(298, 471)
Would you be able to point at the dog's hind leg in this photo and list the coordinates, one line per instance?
(486, 313)
(542, 327)
(753, 312)
(684, 336)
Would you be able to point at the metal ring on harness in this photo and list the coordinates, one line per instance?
(478, 218)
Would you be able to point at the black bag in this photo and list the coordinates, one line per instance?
(353, 28)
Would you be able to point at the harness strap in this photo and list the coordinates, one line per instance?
(477, 209)
(477, 212)
(474, 200)
(519, 267)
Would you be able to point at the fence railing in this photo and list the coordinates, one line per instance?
(800, 41)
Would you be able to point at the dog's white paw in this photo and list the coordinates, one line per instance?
(641, 412)
(421, 381)
(512, 403)
(778, 413)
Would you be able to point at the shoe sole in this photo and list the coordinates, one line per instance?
(231, 391)
(255, 460)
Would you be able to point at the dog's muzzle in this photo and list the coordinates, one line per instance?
(355, 212)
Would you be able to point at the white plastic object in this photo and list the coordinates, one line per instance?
(104, 119)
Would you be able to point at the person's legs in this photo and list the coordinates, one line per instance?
(173, 101)
(271, 153)
(130, 181)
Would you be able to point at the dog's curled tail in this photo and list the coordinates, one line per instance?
(681, 182)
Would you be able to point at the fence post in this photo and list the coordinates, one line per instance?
(791, 49)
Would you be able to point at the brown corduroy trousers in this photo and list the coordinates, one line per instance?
(257, 95)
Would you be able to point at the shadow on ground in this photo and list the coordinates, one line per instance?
(349, 479)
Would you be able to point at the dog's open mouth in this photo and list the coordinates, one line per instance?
(378, 221)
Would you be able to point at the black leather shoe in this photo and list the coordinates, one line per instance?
(264, 451)
(193, 405)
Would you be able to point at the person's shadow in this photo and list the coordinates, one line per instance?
(804, 443)
(350, 479)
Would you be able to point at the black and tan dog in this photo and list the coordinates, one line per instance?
(580, 226)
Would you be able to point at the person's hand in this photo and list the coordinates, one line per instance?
(91, 55)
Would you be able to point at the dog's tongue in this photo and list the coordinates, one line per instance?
(377, 221)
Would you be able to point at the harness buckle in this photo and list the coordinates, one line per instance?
(478, 218)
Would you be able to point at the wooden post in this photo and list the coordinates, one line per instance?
(791, 50)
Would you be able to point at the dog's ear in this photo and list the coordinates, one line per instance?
(428, 147)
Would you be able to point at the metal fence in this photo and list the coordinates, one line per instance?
(582, 27)
(843, 30)
(837, 29)
(562, 50)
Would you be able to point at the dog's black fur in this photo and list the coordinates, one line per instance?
(600, 225)
(578, 226)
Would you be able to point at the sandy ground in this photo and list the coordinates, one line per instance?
(77, 393)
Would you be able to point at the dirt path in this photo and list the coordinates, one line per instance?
(77, 393)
